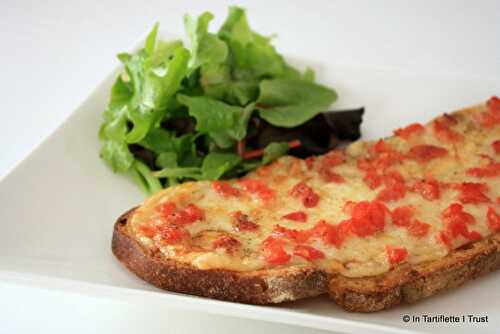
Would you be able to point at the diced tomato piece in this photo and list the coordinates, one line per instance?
(331, 234)
(442, 131)
(274, 251)
(498, 200)
(299, 190)
(307, 252)
(225, 189)
(425, 153)
(493, 219)
(296, 235)
(472, 192)
(298, 216)
(330, 176)
(167, 208)
(393, 177)
(243, 223)
(348, 206)
(401, 216)
(382, 157)
(381, 146)
(302, 191)
(496, 146)
(392, 193)
(395, 187)
(456, 222)
(343, 230)
(226, 242)
(418, 229)
(333, 158)
(493, 104)
(194, 213)
(375, 167)
(310, 200)
(409, 131)
(458, 228)
(490, 170)
(473, 235)
(321, 229)
(147, 230)
(396, 255)
(428, 189)
(368, 218)
(365, 165)
(444, 238)
(456, 211)
(172, 234)
(490, 117)
(372, 179)
(385, 156)
(310, 162)
(387, 159)
(190, 214)
(259, 188)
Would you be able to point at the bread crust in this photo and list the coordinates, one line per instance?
(408, 284)
(257, 287)
(404, 284)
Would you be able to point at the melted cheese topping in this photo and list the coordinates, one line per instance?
(356, 256)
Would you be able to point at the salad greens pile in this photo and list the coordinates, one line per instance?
(181, 113)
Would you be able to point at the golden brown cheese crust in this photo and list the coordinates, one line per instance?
(363, 291)
(258, 287)
(355, 255)
(369, 294)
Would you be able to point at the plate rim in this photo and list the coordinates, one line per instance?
(183, 302)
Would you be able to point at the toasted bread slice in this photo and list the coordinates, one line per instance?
(395, 240)
(256, 287)
(368, 294)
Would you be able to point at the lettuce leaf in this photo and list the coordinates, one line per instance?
(205, 47)
(291, 102)
(224, 123)
(216, 164)
(178, 114)
(251, 53)
(144, 177)
(273, 151)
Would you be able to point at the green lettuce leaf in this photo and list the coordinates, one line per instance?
(117, 155)
(251, 53)
(224, 123)
(221, 82)
(291, 102)
(205, 47)
(216, 164)
(180, 173)
(168, 160)
(161, 141)
(273, 151)
(152, 76)
(144, 178)
(216, 85)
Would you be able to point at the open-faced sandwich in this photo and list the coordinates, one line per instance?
(373, 225)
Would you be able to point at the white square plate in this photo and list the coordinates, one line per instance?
(58, 206)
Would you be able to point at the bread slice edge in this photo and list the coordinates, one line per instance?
(404, 284)
(409, 284)
(256, 287)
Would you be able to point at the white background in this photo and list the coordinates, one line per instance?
(55, 52)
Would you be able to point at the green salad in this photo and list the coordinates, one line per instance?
(192, 112)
